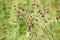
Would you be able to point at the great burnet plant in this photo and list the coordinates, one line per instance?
(29, 20)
